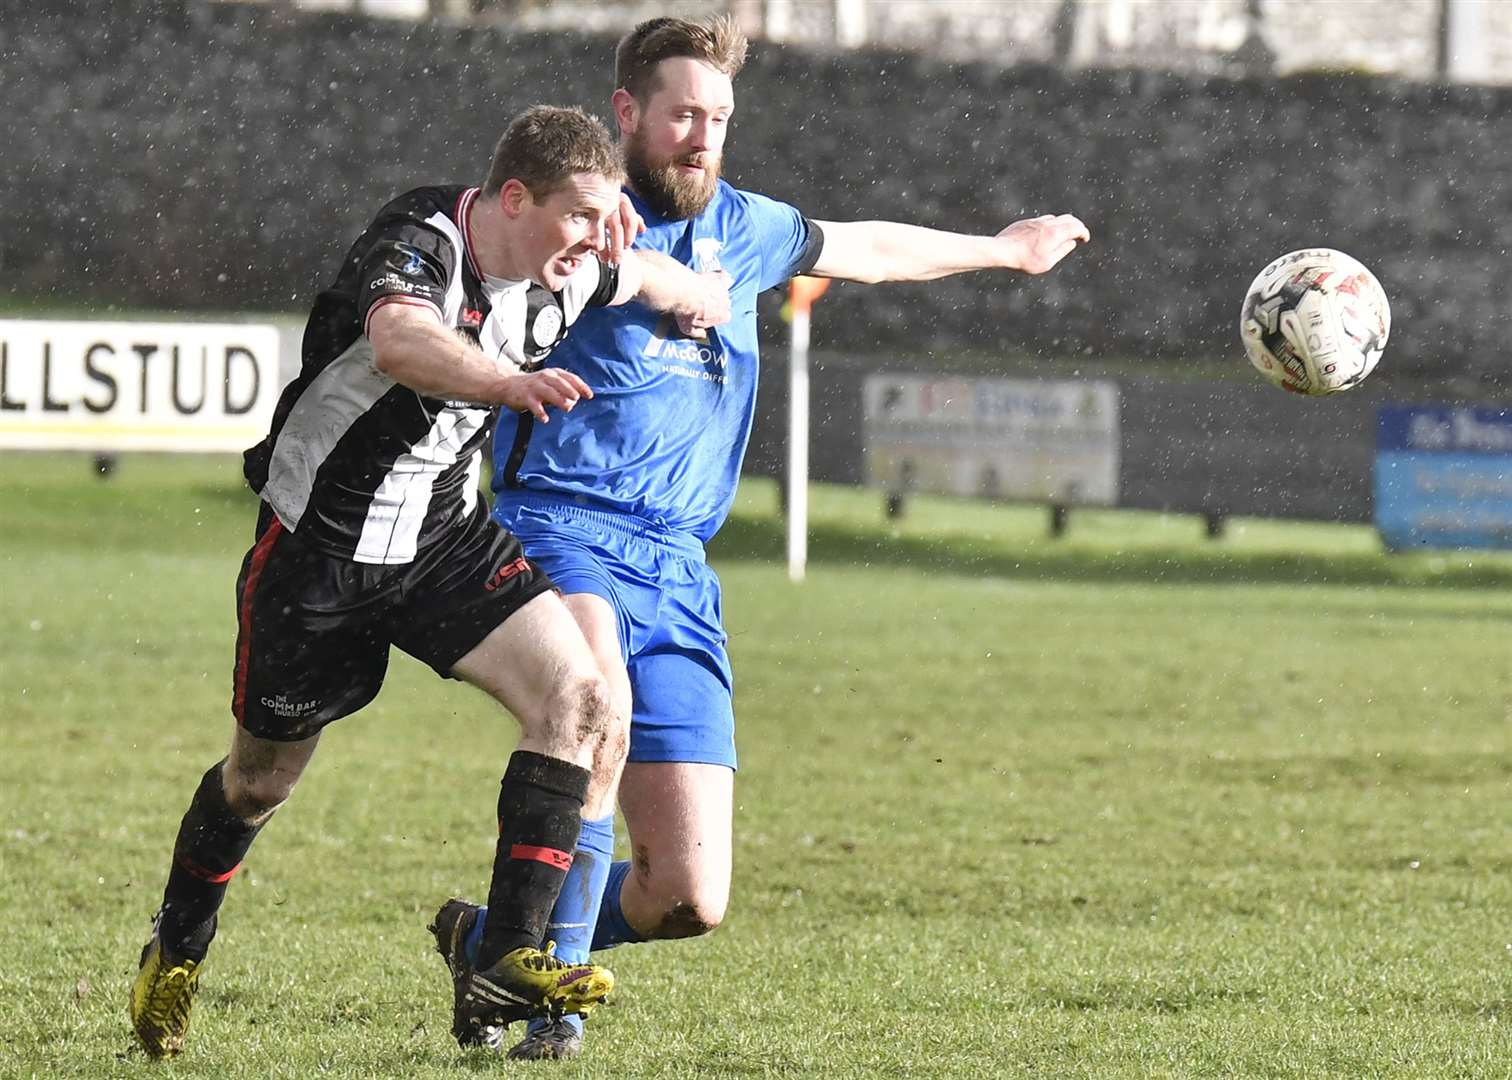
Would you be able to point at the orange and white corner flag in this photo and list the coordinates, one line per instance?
(802, 292)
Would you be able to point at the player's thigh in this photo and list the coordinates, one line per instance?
(311, 646)
(680, 819)
(537, 664)
(599, 622)
(596, 584)
(461, 591)
(480, 611)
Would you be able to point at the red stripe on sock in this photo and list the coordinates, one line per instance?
(562, 860)
(260, 554)
(208, 875)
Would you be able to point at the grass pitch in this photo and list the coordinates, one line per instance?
(1126, 803)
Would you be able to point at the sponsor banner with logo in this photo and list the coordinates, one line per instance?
(136, 385)
(1443, 476)
(1012, 439)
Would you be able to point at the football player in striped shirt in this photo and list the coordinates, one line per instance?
(371, 535)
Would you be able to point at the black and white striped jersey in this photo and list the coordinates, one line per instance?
(361, 466)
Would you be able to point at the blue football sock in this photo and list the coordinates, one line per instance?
(612, 928)
(577, 907)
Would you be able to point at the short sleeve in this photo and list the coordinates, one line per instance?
(407, 263)
(591, 285)
(789, 243)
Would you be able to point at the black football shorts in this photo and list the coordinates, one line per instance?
(314, 629)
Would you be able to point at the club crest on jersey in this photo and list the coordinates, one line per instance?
(706, 251)
(546, 328)
(412, 265)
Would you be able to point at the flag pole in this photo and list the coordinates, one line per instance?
(802, 292)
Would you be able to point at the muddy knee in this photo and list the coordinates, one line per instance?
(584, 702)
(612, 747)
(254, 795)
(689, 918)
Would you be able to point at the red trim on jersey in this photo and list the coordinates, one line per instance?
(464, 222)
(398, 298)
(208, 875)
(562, 860)
(260, 552)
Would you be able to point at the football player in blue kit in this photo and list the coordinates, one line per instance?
(618, 500)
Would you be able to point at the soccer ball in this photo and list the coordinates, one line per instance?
(1315, 322)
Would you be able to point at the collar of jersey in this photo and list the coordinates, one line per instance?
(503, 285)
(464, 224)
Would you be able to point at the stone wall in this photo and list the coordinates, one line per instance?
(221, 157)
(1381, 37)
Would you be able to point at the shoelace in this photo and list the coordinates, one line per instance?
(169, 993)
(546, 960)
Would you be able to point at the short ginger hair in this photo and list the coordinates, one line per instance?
(718, 41)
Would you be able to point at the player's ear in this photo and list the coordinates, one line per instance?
(626, 110)
(514, 198)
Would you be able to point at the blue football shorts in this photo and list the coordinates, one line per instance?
(666, 600)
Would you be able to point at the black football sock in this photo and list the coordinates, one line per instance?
(211, 844)
(540, 814)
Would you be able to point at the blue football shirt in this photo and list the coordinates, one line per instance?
(666, 431)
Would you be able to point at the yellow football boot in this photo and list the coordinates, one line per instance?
(161, 999)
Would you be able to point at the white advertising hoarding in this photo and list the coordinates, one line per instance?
(1029, 439)
(136, 385)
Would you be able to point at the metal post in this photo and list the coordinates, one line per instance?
(802, 292)
(798, 433)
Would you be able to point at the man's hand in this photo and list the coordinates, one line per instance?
(706, 306)
(533, 391)
(1038, 243)
(620, 231)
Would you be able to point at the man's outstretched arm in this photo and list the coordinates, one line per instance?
(876, 251)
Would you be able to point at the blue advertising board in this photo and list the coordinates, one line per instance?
(1443, 476)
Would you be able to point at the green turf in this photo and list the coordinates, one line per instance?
(1126, 803)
